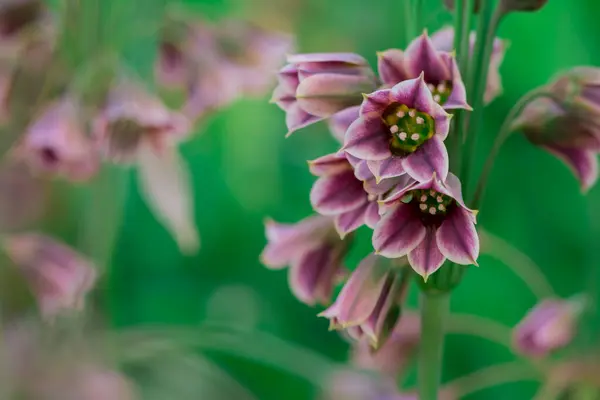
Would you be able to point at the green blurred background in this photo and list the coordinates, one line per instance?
(245, 170)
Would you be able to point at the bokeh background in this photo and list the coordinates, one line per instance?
(245, 170)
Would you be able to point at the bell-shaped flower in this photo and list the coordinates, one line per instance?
(444, 40)
(314, 252)
(396, 352)
(58, 276)
(341, 194)
(549, 326)
(568, 129)
(430, 223)
(368, 305)
(439, 67)
(316, 86)
(401, 130)
(132, 118)
(56, 143)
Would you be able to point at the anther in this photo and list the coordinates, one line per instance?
(432, 211)
(441, 87)
(423, 198)
(415, 136)
(412, 113)
(439, 199)
(442, 207)
(423, 207)
(394, 128)
(431, 86)
(400, 114)
(437, 98)
(420, 120)
(402, 135)
(432, 192)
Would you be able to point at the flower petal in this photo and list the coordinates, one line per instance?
(429, 158)
(351, 220)
(457, 237)
(372, 214)
(329, 164)
(458, 96)
(389, 168)
(583, 163)
(296, 118)
(312, 275)
(347, 58)
(340, 121)
(426, 258)
(443, 39)
(367, 139)
(166, 185)
(421, 56)
(361, 168)
(374, 104)
(390, 64)
(398, 232)
(335, 194)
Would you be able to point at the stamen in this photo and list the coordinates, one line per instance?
(442, 207)
(441, 87)
(423, 198)
(437, 98)
(400, 114)
(394, 128)
(431, 86)
(412, 113)
(415, 136)
(423, 207)
(402, 136)
(432, 192)
(420, 120)
(432, 211)
(439, 199)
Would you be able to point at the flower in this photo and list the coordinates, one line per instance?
(369, 303)
(314, 252)
(444, 40)
(568, 129)
(439, 68)
(132, 119)
(58, 276)
(316, 86)
(341, 194)
(430, 222)
(401, 130)
(353, 385)
(17, 15)
(549, 326)
(56, 143)
(396, 352)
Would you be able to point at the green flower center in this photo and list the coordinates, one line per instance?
(440, 91)
(409, 128)
(432, 206)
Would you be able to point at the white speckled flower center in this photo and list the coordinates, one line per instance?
(409, 129)
(440, 91)
(431, 205)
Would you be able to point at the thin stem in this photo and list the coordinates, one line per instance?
(518, 262)
(510, 372)
(467, 324)
(434, 309)
(503, 134)
(409, 23)
(417, 8)
(486, 32)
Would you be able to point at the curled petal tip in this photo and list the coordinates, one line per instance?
(422, 76)
(475, 263)
(365, 96)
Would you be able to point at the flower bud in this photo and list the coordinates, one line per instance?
(58, 276)
(549, 326)
(522, 5)
(316, 86)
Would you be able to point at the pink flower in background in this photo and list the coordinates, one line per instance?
(56, 142)
(401, 130)
(369, 304)
(17, 15)
(316, 86)
(439, 68)
(549, 326)
(58, 276)
(430, 223)
(313, 251)
(133, 118)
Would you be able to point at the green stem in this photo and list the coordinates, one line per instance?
(503, 134)
(514, 371)
(467, 324)
(409, 23)
(417, 16)
(434, 309)
(486, 32)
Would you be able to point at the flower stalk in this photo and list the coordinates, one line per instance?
(434, 310)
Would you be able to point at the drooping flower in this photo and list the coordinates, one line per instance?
(340, 193)
(396, 352)
(313, 250)
(58, 276)
(401, 130)
(354, 385)
(369, 304)
(568, 124)
(430, 222)
(549, 326)
(133, 118)
(316, 86)
(56, 143)
(443, 40)
(439, 67)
